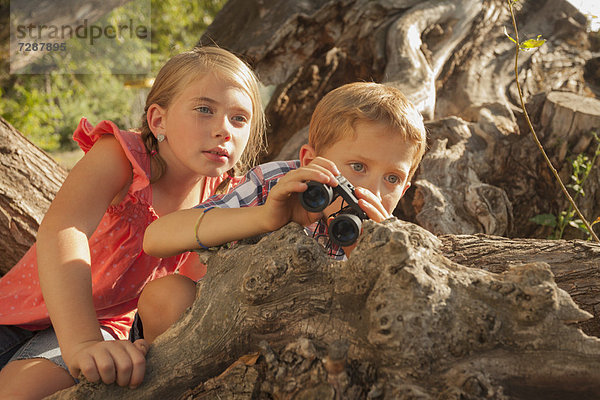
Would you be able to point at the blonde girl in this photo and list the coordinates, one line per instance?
(203, 119)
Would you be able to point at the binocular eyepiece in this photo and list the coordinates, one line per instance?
(345, 228)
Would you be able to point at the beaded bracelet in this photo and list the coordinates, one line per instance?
(196, 229)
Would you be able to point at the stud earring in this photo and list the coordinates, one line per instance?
(160, 137)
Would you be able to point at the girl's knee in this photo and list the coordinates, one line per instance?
(162, 303)
(32, 379)
(166, 291)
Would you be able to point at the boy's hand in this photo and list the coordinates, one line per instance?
(283, 205)
(111, 361)
(372, 206)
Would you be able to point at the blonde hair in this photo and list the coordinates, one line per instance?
(183, 68)
(338, 111)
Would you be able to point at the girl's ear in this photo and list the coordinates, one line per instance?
(156, 117)
(307, 154)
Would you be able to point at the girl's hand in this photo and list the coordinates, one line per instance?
(111, 361)
(283, 205)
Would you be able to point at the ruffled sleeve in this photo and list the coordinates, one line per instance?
(86, 135)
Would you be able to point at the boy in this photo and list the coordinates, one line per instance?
(367, 132)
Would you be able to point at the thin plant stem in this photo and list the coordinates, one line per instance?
(534, 135)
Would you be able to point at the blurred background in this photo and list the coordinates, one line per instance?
(47, 107)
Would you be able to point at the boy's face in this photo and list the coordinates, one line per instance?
(376, 159)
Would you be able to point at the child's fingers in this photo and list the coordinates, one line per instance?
(371, 205)
(117, 361)
(123, 363)
(104, 365)
(311, 172)
(142, 345)
(85, 365)
(372, 212)
(284, 189)
(327, 164)
(139, 362)
(129, 361)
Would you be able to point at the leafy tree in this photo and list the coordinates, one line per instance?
(47, 107)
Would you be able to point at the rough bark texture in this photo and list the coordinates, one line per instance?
(575, 264)
(28, 182)
(397, 320)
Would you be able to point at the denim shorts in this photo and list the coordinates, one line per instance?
(41, 344)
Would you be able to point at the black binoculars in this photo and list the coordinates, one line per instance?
(345, 228)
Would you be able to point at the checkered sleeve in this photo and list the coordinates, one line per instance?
(254, 188)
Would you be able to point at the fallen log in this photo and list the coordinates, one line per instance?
(575, 264)
(396, 320)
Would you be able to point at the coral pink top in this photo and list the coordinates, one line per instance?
(120, 268)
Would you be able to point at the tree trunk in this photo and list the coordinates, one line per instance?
(28, 183)
(398, 319)
(575, 264)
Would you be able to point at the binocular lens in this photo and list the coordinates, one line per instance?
(317, 197)
(345, 229)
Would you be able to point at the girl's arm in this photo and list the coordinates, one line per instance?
(64, 266)
(176, 232)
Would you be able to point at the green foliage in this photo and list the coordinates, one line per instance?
(36, 113)
(582, 167)
(545, 220)
(47, 108)
(178, 25)
(528, 44)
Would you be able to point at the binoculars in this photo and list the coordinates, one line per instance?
(345, 228)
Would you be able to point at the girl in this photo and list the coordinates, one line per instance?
(203, 117)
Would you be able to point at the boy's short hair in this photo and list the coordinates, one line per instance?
(338, 111)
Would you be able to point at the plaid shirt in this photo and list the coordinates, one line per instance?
(253, 190)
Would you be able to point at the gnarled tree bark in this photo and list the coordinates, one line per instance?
(396, 320)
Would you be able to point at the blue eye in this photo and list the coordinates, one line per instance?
(240, 118)
(203, 109)
(393, 179)
(357, 167)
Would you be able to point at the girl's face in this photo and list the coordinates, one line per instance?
(207, 127)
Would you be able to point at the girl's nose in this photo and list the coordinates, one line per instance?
(223, 130)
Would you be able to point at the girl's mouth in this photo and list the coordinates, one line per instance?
(217, 154)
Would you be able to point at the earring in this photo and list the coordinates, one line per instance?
(160, 137)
